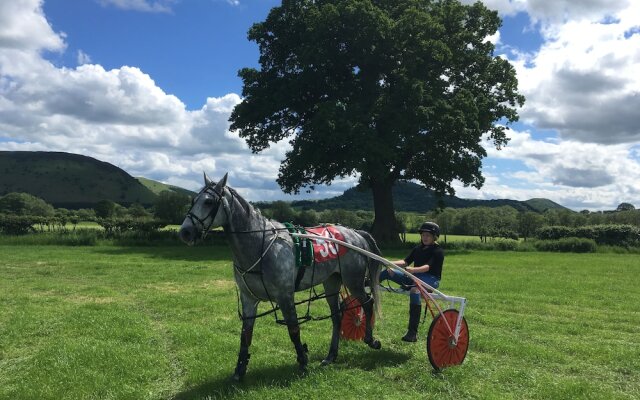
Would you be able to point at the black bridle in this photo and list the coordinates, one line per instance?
(213, 213)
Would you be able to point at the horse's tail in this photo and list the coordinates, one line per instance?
(374, 272)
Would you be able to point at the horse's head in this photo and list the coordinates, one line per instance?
(206, 212)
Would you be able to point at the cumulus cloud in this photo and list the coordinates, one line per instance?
(119, 115)
(583, 82)
(555, 11)
(162, 6)
(552, 11)
(575, 174)
(83, 58)
(24, 27)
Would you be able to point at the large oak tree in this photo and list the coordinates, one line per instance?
(384, 89)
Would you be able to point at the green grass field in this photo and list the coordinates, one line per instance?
(109, 322)
(415, 238)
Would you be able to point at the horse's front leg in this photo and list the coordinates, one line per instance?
(288, 309)
(249, 307)
(332, 289)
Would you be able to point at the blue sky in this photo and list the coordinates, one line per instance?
(149, 85)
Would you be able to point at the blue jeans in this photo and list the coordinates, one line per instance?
(402, 279)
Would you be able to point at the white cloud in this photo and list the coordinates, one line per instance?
(120, 115)
(556, 11)
(23, 29)
(553, 11)
(83, 58)
(162, 6)
(583, 82)
(575, 174)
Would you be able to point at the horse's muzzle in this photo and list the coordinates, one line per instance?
(188, 234)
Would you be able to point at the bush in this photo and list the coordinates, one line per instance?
(24, 204)
(614, 235)
(113, 226)
(16, 224)
(567, 245)
(506, 244)
(554, 232)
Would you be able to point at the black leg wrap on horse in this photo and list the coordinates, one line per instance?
(241, 366)
(302, 358)
(373, 343)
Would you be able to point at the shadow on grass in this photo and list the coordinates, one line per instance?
(180, 252)
(283, 376)
(370, 360)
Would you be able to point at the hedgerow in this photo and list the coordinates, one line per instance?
(612, 235)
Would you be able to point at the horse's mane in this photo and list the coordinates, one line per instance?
(248, 208)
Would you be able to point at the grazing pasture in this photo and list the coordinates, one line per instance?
(108, 322)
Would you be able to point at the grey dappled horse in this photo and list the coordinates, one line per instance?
(265, 268)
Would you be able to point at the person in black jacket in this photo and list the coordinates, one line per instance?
(427, 259)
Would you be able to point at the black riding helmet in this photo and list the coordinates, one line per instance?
(430, 227)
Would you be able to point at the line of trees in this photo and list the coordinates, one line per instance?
(21, 213)
(484, 222)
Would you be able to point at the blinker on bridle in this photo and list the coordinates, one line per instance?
(212, 214)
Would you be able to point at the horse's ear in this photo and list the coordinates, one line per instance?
(207, 181)
(223, 181)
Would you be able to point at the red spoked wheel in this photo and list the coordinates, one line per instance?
(444, 351)
(354, 322)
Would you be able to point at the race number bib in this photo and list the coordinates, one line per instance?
(324, 250)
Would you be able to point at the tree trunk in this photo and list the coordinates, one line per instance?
(385, 229)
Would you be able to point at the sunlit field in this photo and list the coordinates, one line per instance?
(415, 238)
(108, 322)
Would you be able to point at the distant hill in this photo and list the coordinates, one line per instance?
(69, 180)
(158, 187)
(408, 196)
(76, 181)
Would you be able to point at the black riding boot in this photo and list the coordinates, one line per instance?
(415, 311)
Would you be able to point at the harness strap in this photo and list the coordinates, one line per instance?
(299, 276)
(243, 272)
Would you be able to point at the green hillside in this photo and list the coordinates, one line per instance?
(158, 187)
(76, 181)
(69, 180)
(408, 196)
(542, 205)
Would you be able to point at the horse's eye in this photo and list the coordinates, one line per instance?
(208, 202)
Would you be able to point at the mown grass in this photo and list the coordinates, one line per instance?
(108, 322)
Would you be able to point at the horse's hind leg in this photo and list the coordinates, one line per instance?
(249, 307)
(332, 290)
(367, 305)
(288, 309)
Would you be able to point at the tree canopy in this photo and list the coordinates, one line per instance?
(625, 207)
(171, 207)
(385, 90)
(25, 204)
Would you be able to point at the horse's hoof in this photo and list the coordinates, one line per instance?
(237, 378)
(327, 361)
(374, 344)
